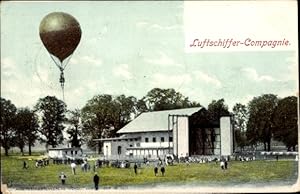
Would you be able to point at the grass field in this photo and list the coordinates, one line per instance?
(238, 172)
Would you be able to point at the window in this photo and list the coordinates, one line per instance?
(131, 139)
(130, 145)
(162, 139)
(146, 139)
(119, 150)
(66, 152)
(138, 144)
(71, 152)
(135, 139)
(75, 152)
(154, 139)
(170, 139)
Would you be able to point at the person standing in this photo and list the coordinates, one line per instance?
(25, 165)
(135, 168)
(155, 170)
(225, 164)
(94, 168)
(163, 170)
(63, 178)
(73, 167)
(96, 181)
(222, 164)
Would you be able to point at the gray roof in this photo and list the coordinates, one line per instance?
(122, 137)
(155, 121)
(74, 148)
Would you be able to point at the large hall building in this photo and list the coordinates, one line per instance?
(181, 132)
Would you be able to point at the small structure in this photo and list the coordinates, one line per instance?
(180, 132)
(63, 153)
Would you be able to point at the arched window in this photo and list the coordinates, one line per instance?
(119, 150)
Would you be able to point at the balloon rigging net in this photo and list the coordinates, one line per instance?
(61, 66)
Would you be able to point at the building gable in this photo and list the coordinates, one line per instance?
(155, 121)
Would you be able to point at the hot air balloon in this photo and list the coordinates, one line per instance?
(60, 33)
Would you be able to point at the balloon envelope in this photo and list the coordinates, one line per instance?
(60, 33)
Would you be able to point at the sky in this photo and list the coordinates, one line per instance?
(131, 47)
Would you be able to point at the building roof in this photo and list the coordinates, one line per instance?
(123, 137)
(155, 121)
(65, 149)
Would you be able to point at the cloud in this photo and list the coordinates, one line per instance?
(253, 75)
(41, 75)
(7, 62)
(143, 24)
(164, 60)
(173, 81)
(159, 27)
(287, 92)
(22, 87)
(10, 76)
(199, 75)
(122, 71)
(292, 67)
(86, 60)
(8, 67)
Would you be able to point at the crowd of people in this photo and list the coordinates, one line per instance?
(41, 163)
(159, 166)
(67, 161)
(198, 159)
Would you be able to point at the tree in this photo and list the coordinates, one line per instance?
(126, 108)
(26, 129)
(167, 99)
(52, 111)
(141, 107)
(8, 114)
(216, 109)
(104, 114)
(261, 116)
(32, 130)
(285, 122)
(240, 124)
(74, 129)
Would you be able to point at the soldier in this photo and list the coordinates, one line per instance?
(96, 181)
(222, 164)
(155, 170)
(162, 169)
(225, 164)
(25, 165)
(63, 178)
(135, 168)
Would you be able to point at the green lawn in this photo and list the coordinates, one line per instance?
(238, 172)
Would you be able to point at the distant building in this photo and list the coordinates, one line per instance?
(182, 132)
(65, 153)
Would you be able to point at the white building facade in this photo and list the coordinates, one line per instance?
(63, 153)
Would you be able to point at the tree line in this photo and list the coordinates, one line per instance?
(267, 118)
(264, 118)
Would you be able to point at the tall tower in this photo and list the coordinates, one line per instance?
(226, 130)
